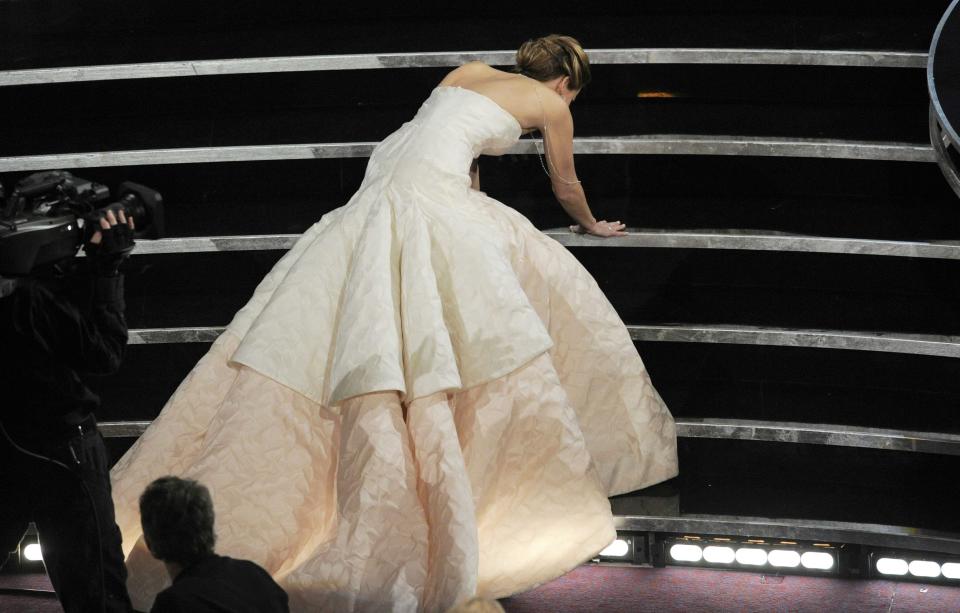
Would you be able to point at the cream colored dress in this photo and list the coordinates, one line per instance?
(426, 398)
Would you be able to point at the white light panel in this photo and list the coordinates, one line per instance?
(951, 570)
(784, 558)
(686, 553)
(751, 556)
(719, 555)
(924, 568)
(817, 560)
(892, 566)
(617, 549)
(32, 552)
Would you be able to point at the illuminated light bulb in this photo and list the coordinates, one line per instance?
(784, 558)
(617, 549)
(751, 556)
(817, 560)
(719, 555)
(32, 552)
(924, 568)
(686, 553)
(951, 570)
(892, 566)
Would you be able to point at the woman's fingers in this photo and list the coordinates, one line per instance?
(130, 222)
(96, 238)
(111, 218)
(121, 216)
(603, 228)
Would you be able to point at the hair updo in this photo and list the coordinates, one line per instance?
(554, 56)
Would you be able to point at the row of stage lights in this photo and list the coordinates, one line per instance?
(725, 553)
(751, 554)
(783, 557)
(894, 566)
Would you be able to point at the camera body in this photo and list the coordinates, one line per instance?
(49, 215)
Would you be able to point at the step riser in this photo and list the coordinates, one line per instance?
(90, 34)
(792, 290)
(345, 106)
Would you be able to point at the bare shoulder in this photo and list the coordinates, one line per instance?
(553, 104)
(467, 72)
(555, 109)
(514, 93)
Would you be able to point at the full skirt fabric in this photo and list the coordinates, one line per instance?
(426, 399)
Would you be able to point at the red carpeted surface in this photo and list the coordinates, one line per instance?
(606, 589)
(27, 594)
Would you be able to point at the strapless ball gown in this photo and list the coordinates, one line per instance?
(426, 398)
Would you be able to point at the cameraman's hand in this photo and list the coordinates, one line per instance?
(111, 243)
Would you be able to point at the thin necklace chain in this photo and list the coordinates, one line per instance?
(544, 134)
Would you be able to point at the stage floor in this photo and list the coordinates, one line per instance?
(606, 589)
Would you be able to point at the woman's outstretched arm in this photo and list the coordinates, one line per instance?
(558, 150)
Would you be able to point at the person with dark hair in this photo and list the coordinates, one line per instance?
(427, 398)
(177, 517)
(56, 331)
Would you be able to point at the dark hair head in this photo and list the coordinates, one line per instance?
(554, 56)
(177, 519)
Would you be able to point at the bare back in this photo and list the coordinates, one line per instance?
(514, 92)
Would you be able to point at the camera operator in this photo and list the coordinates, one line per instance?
(55, 469)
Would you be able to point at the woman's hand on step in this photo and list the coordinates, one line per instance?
(602, 228)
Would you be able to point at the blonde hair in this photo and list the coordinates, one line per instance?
(554, 56)
(477, 605)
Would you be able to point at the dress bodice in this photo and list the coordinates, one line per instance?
(452, 127)
(488, 127)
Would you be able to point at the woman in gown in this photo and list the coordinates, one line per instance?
(426, 398)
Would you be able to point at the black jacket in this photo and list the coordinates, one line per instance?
(50, 338)
(218, 584)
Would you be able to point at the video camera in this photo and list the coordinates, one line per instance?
(49, 215)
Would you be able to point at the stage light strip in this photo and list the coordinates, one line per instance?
(918, 565)
(916, 344)
(741, 240)
(876, 535)
(449, 59)
(789, 556)
(648, 144)
(744, 555)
